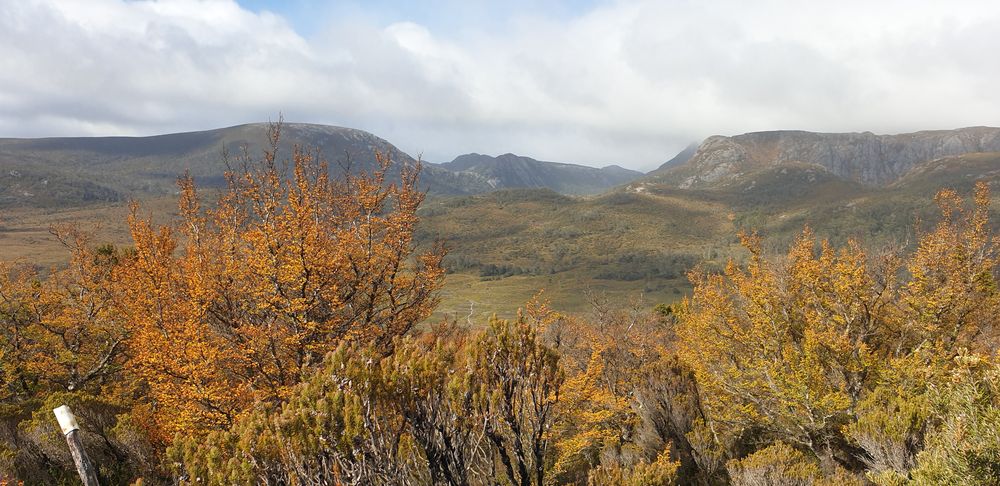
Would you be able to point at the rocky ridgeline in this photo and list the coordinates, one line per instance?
(861, 157)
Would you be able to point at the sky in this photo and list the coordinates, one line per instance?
(595, 82)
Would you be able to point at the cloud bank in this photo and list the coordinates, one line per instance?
(628, 82)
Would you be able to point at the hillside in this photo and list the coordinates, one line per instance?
(514, 171)
(643, 237)
(865, 158)
(116, 168)
(681, 158)
(507, 245)
(69, 172)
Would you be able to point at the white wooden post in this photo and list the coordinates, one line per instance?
(70, 429)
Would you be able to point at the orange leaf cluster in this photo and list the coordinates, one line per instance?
(232, 305)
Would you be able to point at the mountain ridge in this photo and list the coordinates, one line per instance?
(514, 171)
(863, 157)
(68, 171)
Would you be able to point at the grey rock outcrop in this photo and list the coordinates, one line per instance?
(861, 157)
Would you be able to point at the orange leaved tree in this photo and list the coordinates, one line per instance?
(837, 352)
(232, 305)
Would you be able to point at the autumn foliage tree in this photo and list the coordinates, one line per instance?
(834, 352)
(230, 306)
(61, 332)
(62, 340)
(618, 398)
(788, 347)
(951, 299)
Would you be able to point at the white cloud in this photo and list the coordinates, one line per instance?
(628, 82)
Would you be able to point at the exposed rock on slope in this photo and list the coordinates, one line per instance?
(861, 157)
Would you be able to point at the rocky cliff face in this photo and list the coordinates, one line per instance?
(861, 157)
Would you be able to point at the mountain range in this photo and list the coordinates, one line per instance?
(59, 172)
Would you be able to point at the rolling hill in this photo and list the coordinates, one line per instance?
(66, 172)
(513, 171)
(115, 168)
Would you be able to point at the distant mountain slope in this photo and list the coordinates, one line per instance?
(860, 157)
(65, 172)
(513, 171)
(118, 167)
(681, 158)
(49, 188)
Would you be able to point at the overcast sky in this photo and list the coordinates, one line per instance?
(592, 82)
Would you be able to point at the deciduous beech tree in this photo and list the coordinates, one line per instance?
(951, 300)
(61, 332)
(61, 340)
(229, 307)
(788, 347)
(608, 358)
(835, 352)
(80, 339)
